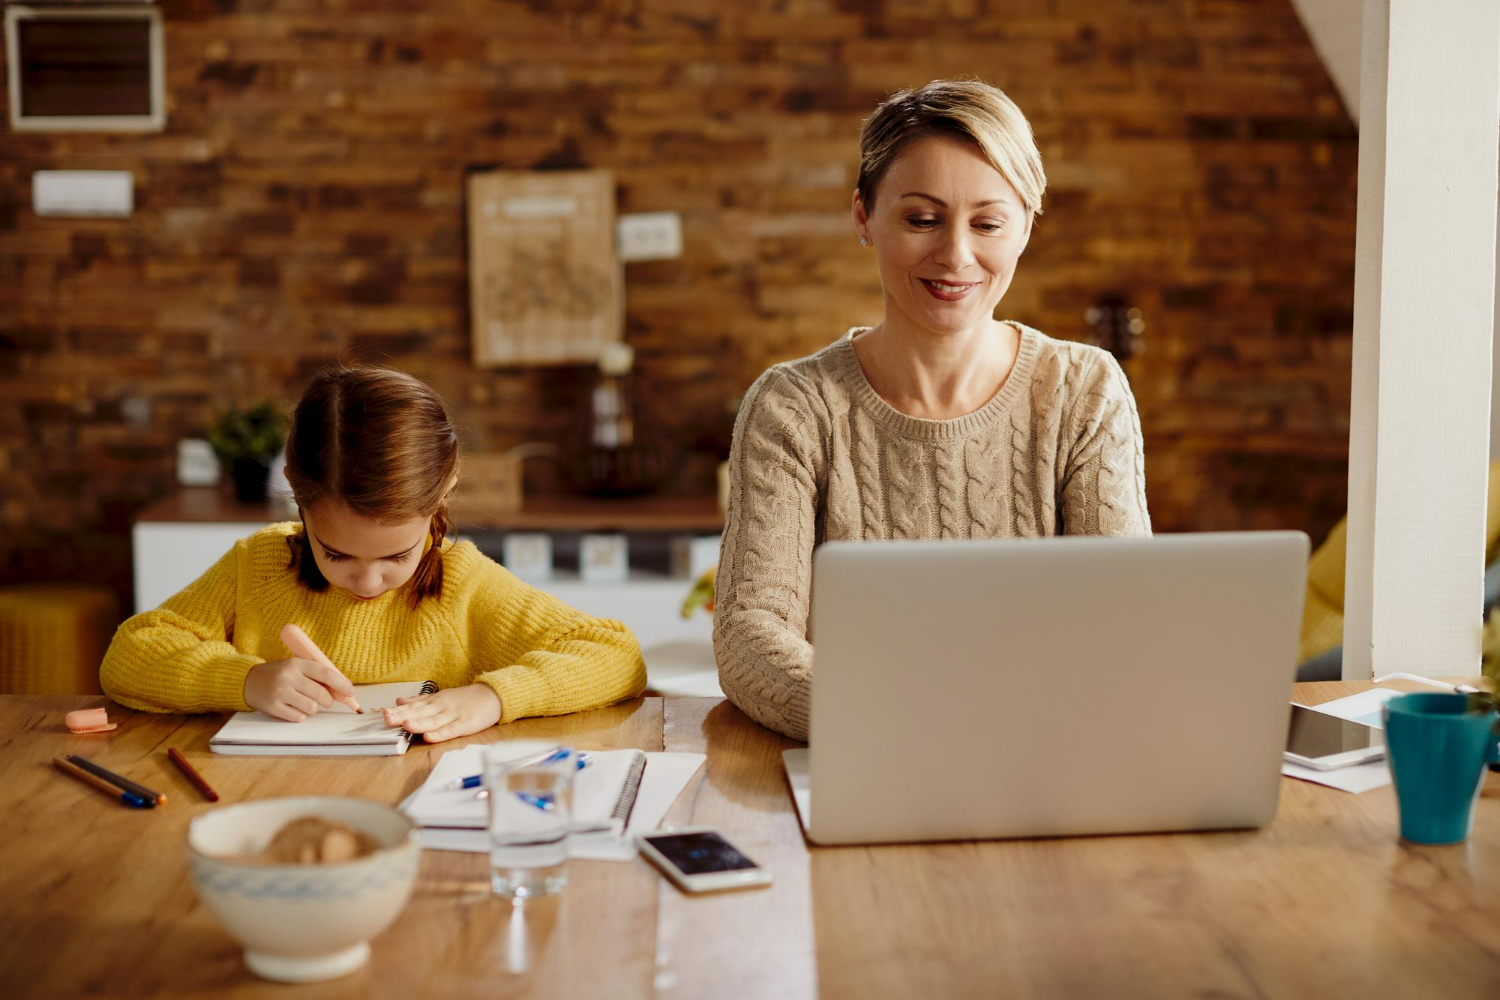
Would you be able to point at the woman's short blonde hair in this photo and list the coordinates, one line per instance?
(968, 109)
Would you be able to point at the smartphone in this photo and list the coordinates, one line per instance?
(698, 859)
(1320, 741)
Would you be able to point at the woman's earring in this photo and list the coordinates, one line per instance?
(863, 242)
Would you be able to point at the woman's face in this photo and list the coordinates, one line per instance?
(947, 230)
(359, 554)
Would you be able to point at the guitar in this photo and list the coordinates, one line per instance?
(1118, 326)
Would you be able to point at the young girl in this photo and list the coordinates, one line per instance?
(369, 574)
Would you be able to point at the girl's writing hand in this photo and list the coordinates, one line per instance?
(447, 714)
(294, 688)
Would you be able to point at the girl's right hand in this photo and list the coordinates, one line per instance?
(294, 688)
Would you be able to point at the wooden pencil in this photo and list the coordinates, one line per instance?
(112, 790)
(192, 774)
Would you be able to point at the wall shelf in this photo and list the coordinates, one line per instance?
(179, 536)
(670, 514)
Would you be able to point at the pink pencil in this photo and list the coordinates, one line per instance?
(297, 641)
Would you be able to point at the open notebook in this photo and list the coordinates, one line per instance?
(333, 731)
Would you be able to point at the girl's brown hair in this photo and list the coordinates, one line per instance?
(379, 442)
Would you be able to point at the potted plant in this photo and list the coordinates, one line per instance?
(702, 594)
(1488, 697)
(246, 441)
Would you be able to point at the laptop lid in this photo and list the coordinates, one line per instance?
(1040, 687)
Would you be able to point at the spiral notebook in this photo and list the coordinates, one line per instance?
(603, 793)
(334, 731)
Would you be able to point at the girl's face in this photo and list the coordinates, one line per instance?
(947, 230)
(361, 555)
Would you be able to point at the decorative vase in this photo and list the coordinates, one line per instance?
(615, 448)
(251, 476)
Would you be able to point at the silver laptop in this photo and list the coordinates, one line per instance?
(1048, 687)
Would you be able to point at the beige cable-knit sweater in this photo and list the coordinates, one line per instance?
(819, 456)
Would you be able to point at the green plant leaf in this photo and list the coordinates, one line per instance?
(258, 432)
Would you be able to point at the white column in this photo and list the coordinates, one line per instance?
(1495, 369)
(1424, 326)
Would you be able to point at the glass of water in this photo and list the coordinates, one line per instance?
(531, 809)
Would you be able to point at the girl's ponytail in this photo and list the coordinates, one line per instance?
(427, 581)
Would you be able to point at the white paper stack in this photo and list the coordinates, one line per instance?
(606, 816)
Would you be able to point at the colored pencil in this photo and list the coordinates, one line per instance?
(155, 798)
(113, 791)
(192, 774)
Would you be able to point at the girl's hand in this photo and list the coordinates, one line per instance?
(294, 688)
(447, 714)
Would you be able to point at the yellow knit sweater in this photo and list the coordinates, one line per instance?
(539, 655)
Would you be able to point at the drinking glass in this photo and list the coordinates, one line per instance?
(530, 811)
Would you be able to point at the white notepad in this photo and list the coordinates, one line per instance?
(338, 730)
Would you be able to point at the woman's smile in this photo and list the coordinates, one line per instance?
(948, 291)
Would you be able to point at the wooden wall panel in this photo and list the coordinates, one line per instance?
(306, 203)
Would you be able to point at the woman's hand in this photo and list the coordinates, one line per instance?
(447, 714)
(294, 688)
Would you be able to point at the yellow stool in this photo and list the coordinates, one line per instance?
(53, 637)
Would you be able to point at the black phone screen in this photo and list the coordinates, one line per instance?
(699, 853)
(1315, 734)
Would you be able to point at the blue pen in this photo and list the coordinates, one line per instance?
(547, 801)
(475, 780)
(129, 798)
(584, 760)
(544, 801)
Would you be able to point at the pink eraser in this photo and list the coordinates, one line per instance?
(89, 720)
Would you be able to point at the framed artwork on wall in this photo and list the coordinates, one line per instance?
(546, 286)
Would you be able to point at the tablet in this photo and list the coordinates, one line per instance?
(1324, 742)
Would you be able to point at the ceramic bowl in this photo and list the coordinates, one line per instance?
(301, 923)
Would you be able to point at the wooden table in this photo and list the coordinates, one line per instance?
(1325, 902)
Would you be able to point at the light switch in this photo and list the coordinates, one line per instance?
(83, 192)
(649, 236)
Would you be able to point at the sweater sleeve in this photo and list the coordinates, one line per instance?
(180, 657)
(540, 656)
(764, 582)
(1104, 487)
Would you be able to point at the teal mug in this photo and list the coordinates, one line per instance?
(1438, 748)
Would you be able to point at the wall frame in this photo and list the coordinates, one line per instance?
(546, 286)
(85, 68)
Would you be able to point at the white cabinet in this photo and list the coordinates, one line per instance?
(167, 556)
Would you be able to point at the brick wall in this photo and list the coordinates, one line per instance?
(305, 203)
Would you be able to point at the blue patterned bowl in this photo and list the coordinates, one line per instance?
(301, 923)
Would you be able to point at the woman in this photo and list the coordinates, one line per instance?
(940, 421)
